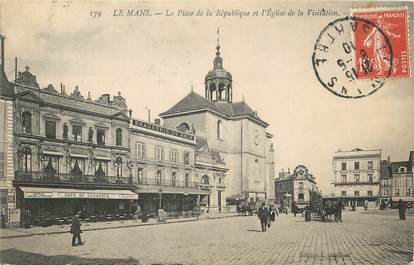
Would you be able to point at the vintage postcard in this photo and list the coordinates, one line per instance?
(206, 132)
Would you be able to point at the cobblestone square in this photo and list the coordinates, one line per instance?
(372, 237)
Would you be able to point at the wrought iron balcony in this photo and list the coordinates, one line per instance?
(62, 178)
(168, 182)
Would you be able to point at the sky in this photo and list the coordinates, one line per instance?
(154, 61)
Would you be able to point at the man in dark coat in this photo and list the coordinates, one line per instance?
(401, 209)
(76, 230)
(263, 214)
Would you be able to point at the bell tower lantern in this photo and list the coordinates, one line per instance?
(218, 82)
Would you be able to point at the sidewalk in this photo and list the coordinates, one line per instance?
(59, 229)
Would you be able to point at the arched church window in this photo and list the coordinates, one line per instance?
(205, 180)
(219, 129)
(119, 137)
(26, 122)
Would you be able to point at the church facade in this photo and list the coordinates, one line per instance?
(234, 131)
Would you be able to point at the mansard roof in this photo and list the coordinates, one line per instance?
(194, 102)
(396, 165)
(70, 103)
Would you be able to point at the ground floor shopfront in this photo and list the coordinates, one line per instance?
(172, 199)
(46, 206)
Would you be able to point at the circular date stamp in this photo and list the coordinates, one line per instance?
(345, 67)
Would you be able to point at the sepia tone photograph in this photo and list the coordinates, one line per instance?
(206, 132)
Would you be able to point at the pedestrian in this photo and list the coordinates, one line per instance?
(263, 214)
(273, 213)
(75, 230)
(365, 205)
(294, 209)
(401, 209)
(339, 210)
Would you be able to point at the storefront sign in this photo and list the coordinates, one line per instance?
(79, 195)
(158, 128)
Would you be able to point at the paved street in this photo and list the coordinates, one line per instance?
(364, 238)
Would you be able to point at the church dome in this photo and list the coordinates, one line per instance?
(218, 72)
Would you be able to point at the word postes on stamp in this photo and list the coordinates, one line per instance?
(393, 23)
(335, 62)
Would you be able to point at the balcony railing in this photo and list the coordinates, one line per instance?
(62, 178)
(168, 182)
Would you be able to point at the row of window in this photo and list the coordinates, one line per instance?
(370, 165)
(140, 153)
(50, 165)
(357, 178)
(50, 129)
(397, 192)
(356, 193)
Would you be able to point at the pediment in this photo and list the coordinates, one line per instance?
(77, 120)
(28, 95)
(121, 115)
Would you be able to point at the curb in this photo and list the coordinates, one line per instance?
(116, 227)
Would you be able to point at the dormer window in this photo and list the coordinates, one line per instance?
(402, 170)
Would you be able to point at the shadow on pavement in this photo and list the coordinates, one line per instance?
(255, 230)
(18, 257)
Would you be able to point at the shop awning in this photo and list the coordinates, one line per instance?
(57, 193)
(405, 199)
(52, 153)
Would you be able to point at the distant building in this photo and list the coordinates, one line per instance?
(402, 180)
(385, 181)
(356, 175)
(300, 187)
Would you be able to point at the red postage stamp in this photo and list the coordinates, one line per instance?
(383, 49)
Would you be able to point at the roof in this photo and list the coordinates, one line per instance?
(194, 102)
(396, 165)
(61, 101)
(6, 88)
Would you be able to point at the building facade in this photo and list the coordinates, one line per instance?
(170, 170)
(71, 153)
(234, 131)
(385, 182)
(7, 191)
(402, 181)
(356, 175)
(299, 187)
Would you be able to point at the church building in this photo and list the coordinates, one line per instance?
(234, 131)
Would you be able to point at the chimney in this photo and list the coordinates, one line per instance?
(106, 97)
(388, 159)
(157, 121)
(2, 38)
(288, 170)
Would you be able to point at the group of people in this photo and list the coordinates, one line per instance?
(266, 215)
(332, 208)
